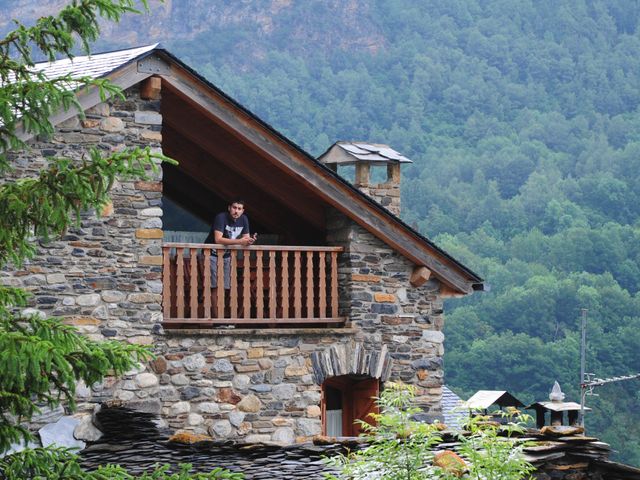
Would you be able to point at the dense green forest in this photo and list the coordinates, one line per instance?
(523, 120)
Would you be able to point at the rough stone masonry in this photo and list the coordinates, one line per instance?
(104, 277)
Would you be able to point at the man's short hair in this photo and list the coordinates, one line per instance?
(237, 200)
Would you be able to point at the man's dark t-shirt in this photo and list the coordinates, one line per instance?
(229, 227)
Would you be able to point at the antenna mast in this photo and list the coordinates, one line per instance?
(588, 380)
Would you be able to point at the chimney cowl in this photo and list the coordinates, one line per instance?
(556, 394)
(365, 156)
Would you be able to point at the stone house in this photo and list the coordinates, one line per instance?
(338, 296)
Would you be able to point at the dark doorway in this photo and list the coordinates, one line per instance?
(345, 400)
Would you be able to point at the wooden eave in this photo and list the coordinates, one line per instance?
(283, 154)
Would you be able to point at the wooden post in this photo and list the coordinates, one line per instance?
(310, 300)
(272, 284)
(206, 273)
(193, 283)
(246, 285)
(180, 282)
(220, 285)
(334, 284)
(285, 284)
(233, 293)
(297, 285)
(322, 285)
(150, 89)
(259, 286)
(166, 282)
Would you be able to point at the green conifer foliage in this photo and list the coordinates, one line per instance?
(42, 359)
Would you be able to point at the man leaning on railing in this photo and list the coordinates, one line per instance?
(229, 228)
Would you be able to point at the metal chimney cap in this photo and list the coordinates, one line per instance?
(556, 394)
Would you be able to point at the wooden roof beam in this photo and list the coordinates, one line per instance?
(257, 173)
(259, 138)
(265, 209)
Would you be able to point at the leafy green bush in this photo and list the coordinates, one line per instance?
(398, 447)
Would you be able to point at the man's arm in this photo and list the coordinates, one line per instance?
(245, 239)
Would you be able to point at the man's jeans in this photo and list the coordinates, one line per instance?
(226, 271)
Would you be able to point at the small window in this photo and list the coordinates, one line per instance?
(345, 400)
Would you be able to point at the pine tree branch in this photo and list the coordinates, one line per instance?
(42, 205)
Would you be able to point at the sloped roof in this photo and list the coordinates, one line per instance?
(485, 398)
(97, 65)
(557, 406)
(125, 68)
(452, 409)
(367, 152)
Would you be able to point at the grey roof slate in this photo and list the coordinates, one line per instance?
(96, 65)
(132, 440)
(452, 409)
(558, 406)
(372, 152)
(485, 398)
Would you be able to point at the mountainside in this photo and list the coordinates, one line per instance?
(523, 120)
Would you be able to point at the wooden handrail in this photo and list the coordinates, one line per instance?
(277, 248)
(264, 285)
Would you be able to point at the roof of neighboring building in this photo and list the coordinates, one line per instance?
(119, 66)
(452, 409)
(485, 398)
(557, 406)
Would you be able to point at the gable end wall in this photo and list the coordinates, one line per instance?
(104, 277)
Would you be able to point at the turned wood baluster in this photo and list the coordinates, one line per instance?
(322, 286)
(234, 284)
(206, 273)
(297, 285)
(220, 287)
(193, 283)
(310, 285)
(246, 285)
(259, 286)
(285, 284)
(180, 282)
(272, 284)
(166, 282)
(334, 284)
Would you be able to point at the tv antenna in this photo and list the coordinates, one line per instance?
(588, 381)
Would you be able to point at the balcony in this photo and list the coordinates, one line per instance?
(270, 286)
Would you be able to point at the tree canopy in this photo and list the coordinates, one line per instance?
(42, 359)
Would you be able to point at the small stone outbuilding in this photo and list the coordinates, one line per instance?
(337, 297)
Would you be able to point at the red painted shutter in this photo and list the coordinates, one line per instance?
(364, 394)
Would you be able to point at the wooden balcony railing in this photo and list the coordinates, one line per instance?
(269, 285)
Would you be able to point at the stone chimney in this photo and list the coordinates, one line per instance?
(366, 156)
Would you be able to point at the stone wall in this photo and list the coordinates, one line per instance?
(104, 277)
(376, 295)
(251, 385)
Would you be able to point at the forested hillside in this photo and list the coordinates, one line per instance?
(523, 120)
